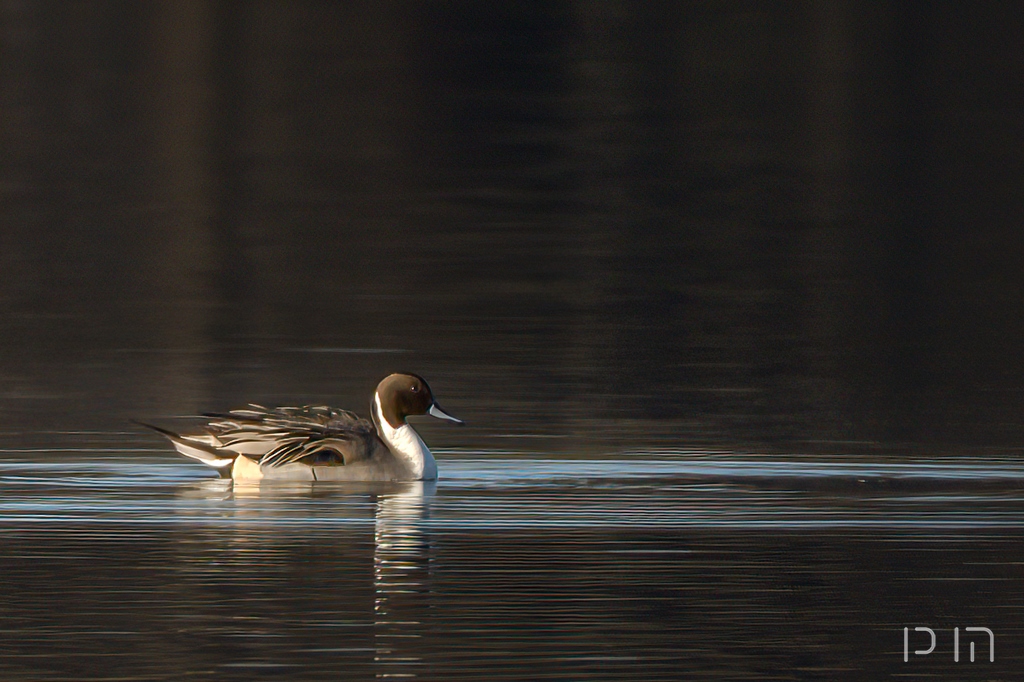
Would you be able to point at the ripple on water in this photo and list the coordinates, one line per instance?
(482, 490)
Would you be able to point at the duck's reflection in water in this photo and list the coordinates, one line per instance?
(313, 537)
(402, 578)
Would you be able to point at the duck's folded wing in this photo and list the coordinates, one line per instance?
(291, 434)
(323, 451)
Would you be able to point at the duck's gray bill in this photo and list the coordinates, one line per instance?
(436, 411)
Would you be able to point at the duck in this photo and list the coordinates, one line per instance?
(317, 442)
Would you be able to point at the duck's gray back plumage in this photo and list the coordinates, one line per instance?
(312, 434)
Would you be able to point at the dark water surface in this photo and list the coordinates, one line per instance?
(123, 564)
(729, 294)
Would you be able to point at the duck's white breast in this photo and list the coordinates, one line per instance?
(406, 445)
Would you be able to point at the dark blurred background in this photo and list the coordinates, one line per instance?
(782, 225)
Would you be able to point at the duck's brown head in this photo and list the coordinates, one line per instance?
(404, 395)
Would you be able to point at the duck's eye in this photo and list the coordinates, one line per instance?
(415, 389)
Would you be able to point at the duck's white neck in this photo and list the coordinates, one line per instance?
(407, 445)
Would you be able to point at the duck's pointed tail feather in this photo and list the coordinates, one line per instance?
(207, 454)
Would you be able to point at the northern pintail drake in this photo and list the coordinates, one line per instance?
(316, 443)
